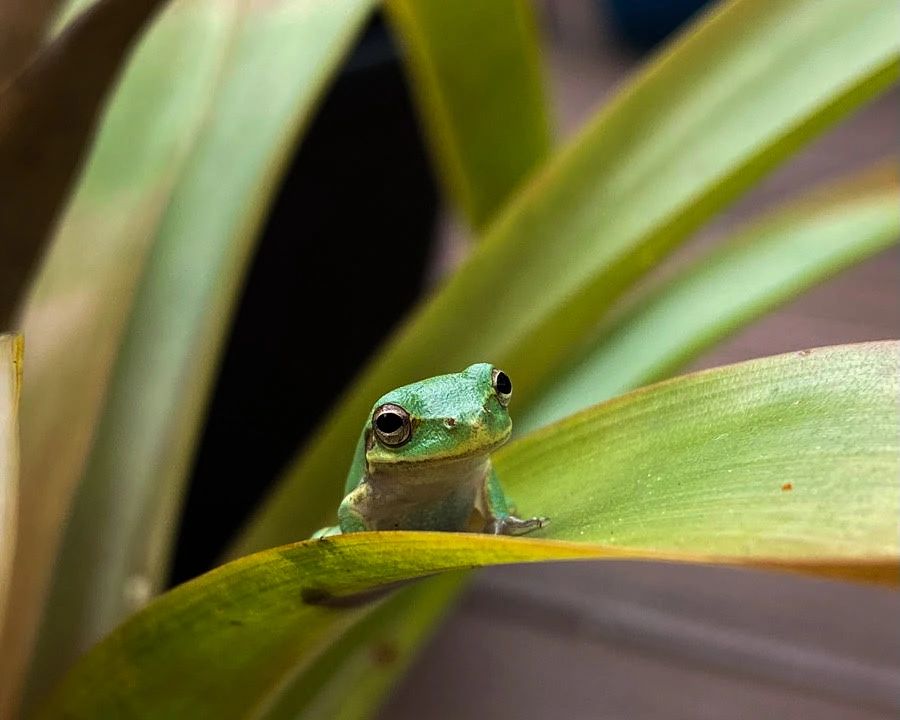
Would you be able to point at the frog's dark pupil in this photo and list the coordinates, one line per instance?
(389, 422)
(503, 383)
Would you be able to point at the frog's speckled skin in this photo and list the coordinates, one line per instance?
(441, 478)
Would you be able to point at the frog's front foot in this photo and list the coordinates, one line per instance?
(511, 525)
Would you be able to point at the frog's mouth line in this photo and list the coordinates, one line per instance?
(446, 459)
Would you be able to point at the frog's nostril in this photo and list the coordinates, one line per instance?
(449, 422)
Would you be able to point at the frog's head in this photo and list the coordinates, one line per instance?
(444, 418)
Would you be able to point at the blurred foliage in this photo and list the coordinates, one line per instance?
(23, 25)
(486, 136)
(179, 312)
(126, 318)
(48, 112)
(783, 254)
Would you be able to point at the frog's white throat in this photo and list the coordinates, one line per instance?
(468, 470)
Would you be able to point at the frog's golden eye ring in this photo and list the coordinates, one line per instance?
(502, 386)
(392, 425)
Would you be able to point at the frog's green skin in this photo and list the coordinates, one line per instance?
(441, 478)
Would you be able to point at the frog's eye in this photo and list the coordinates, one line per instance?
(392, 425)
(502, 386)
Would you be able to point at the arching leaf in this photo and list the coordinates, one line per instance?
(787, 462)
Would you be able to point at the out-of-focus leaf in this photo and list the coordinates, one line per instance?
(701, 123)
(10, 381)
(788, 462)
(208, 159)
(477, 75)
(763, 266)
(77, 306)
(47, 117)
(23, 26)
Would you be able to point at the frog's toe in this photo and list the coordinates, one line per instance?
(326, 532)
(511, 525)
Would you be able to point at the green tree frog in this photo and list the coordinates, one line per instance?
(423, 459)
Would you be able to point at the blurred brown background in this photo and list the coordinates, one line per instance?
(629, 640)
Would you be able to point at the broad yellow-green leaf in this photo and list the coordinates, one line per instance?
(274, 55)
(48, 113)
(476, 73)
(698, 125)
(788, 462)
(763, 266)
(10, 381)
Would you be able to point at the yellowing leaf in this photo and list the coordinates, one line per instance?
(787, 462)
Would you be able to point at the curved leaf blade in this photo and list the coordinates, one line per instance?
(823, 420)
(476, 73)
(764, 265)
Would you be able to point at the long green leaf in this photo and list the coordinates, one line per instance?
(47, 116)
(787, 462)
(763, 266)
(705, 120)
(477, 76)
(277, 55)
(10, 382)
